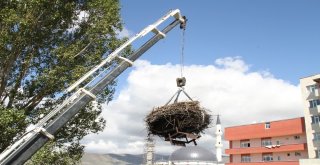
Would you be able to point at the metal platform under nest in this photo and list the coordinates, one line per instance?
(189, 137)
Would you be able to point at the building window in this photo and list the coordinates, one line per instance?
(266, 142)
(312, 88)
(315, 119)
(288, 154)
(267, 157)
(314, 103)
(267, 125)
(296, 137)
(316, 136)
(318, 153)
(279, 158)
(244, 143)
(245, 158)
(278, 142)
(297, 154)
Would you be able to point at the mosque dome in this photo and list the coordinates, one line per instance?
(192, 154)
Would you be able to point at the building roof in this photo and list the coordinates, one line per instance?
(276, 128)
(218, 120)
(314, 75)
(193, 153)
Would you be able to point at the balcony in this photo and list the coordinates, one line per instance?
(267, 163)
(313, 95)
(316, 127)
(279, 148)
(316, 143)
(315, 110)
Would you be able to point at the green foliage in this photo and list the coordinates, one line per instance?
(12, 122)
(45, 47)
(51, 154)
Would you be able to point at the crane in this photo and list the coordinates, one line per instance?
(27, 145)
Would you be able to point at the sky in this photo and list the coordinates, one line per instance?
(243, 60)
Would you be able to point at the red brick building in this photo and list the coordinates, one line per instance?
(271, 143)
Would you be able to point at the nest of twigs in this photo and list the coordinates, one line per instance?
(187, 117)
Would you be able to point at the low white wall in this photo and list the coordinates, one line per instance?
(309, 161)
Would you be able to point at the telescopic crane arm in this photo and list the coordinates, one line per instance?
(22, 150)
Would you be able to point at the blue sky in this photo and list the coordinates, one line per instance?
(281, 37)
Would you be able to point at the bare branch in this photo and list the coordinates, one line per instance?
(83, 50)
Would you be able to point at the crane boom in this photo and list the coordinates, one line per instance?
(22, 150)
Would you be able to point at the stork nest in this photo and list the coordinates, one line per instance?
(186, 117)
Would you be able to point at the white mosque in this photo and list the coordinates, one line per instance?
(195, 155)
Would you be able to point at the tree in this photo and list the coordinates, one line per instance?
(45, 47)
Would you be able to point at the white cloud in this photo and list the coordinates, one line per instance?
(235, 63)
(124, 33)
(228, 88)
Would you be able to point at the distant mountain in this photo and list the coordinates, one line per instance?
(116, 159)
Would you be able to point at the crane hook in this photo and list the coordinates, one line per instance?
(181, 82)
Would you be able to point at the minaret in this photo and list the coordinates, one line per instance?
(218, 140)
(149, 151)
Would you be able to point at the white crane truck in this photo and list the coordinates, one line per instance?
(27, 145)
